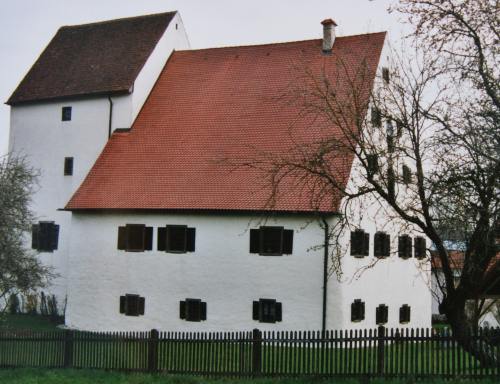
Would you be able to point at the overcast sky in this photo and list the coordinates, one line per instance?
(28, 25)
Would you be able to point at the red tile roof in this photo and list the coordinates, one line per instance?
(215, 104)
(91, 59)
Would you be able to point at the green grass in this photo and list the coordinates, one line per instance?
(41, 376)
(23, 322)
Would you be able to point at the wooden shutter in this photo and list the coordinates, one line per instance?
(191, 236)
(254, 241)
(136, 235)
(386, 245)
(142, 301)
(378, 250)
(385, 313)
(366, 244)
(35, 228)
(44, 236)
(357, 241)
(353, 311)
(255, 310)
(122, 238)
(404, 246)
(361, 310)
(54, 237)
(288, 241)
(182, 309)
(162, 238)
(176, 239)
(278, 311)
(203, 310)
(148, 239)
(123, 304)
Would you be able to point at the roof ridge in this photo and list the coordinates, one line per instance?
(118, 20)
(277, 43)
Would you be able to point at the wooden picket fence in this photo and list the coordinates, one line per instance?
(372, 353)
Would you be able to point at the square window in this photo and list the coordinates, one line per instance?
(135, 238)
(68, 166)
(193, 310)
(176, 238)
(132, 305)
(45, 236)
(66, 114)
(271, 240)
(267, 311)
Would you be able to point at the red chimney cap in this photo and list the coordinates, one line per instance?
(328, 22)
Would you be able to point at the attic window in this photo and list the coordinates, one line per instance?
(66, 114)
(176, 26)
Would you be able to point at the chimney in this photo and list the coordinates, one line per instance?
(328, 34)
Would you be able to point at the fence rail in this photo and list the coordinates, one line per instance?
(373, 352)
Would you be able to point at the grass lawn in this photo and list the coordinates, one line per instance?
(34, 376)
(23, 322)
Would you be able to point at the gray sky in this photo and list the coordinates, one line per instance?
(28, 25)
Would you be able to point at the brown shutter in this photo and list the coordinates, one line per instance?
(123, 304)
(191, 237)
(353, 311)
(122, 238)
(141, 305)
(366, 244)
(288, 241)
(386, 248)
(203, 310)
(35, 228)
(278, 311)
(182, 309)
(54, 237)
(162, 237)
(148, 239)
(255, 310)
(254, 241)
(362, 310)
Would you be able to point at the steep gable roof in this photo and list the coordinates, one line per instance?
(215, 104)
(90, 59)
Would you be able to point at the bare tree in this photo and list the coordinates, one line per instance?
(20, 269)
(425, 142)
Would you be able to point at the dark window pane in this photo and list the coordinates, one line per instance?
(193, 309)
(271, 240)
(267, 310)
(135, 237)
(176, 238)
(132, 307)
(66, 113)
(68, 166)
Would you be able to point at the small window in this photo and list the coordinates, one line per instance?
(381, 314)
(404, 314)
(360, 243)
(420, 247)
(404, 246)
(271, 241)
(45, 236)
(372, 164)
(406, 175)
(68, 166)
(267, 311)
(193, 310)
(386, 75)
(357, 310)
(176, 239)
(381, 245)
(132, 305)
(66, 114)
(135, 238)
(376, 117)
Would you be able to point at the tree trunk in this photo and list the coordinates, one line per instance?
(464, 334)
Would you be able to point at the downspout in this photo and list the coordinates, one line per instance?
(325, 273)
(110, 116)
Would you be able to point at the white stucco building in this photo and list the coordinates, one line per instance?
(160, 225)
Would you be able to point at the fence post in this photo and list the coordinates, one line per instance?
(68, 348)
(153, 351)
(256, 352)
(380, 350)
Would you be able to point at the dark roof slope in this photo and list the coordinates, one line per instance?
(90, 59)
(223, 103)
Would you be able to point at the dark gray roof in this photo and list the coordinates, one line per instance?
(92, 59)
